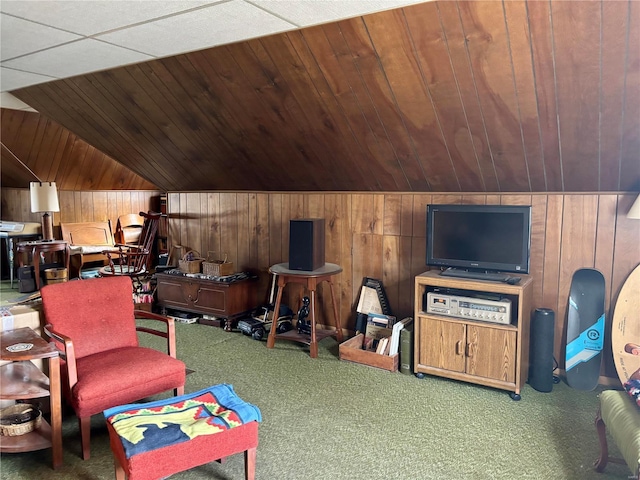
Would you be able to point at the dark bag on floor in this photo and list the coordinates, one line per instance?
(26, 280)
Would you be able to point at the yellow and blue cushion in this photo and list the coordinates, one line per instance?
(144, 427)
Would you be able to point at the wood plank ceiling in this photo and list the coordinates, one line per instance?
(35, 148)
(515, 96)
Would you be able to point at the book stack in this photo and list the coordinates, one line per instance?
(383, 333)
(385, 350)
(378, 331)
(389, 334)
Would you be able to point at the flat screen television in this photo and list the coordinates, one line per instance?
(479, 238)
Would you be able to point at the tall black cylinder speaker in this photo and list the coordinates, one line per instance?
(541, 350)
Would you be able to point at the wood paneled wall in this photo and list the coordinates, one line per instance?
(377, 235)
(383, 236)
(84, 206)
(445, 96)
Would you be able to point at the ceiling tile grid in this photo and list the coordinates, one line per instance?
(94, 17)
(11, 79)
(84, 56)
(205, 27)
(313, 12)
(27, 37)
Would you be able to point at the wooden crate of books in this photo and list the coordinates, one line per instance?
(351, 351)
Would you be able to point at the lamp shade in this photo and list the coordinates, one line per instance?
(634, 211)
(44, 197)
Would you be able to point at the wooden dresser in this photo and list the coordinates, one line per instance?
(226, 301)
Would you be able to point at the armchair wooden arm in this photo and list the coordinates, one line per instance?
(170, 334)
(67, 353)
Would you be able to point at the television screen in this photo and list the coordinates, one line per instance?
(479, 237)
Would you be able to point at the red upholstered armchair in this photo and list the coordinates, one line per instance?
(93, 323)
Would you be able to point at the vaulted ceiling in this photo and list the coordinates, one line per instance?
(35, 148)
(515, 96)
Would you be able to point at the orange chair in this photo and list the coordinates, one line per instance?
(129, 228)
(93, 323)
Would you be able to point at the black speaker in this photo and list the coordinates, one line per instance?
(306, 244)
(541, 350)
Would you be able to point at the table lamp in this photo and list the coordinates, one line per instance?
(634, 211)
(44, 198)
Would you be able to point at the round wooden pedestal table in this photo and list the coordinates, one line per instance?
(310, 280)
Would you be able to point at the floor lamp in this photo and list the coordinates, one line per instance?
(44, 198)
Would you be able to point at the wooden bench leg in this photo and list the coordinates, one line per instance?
(119, 470)
(602, 461)
(250, 463)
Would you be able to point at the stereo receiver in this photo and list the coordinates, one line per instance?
(470, 308)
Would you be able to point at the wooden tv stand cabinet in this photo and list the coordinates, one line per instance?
(476, 351)
(225, 300)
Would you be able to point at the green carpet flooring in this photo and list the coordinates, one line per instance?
(329, 419)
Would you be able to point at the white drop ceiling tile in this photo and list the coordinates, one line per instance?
(11, 79)
(76, 58)
(305, 13)
(19, 37)
(89, 17)
(223, 23)
(9, 101)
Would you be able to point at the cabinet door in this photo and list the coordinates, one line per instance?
(442, 344)
(211, 300)
(171, 293)
(491, 353)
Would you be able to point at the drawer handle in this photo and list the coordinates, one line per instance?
(459, 347)
(469, 350)
(197, 296)
(192, 298)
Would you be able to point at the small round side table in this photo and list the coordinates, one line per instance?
(310, 279)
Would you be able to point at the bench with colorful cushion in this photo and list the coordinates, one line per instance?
(157, 439)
